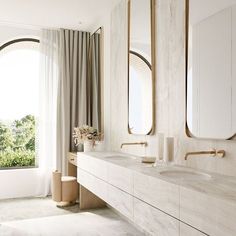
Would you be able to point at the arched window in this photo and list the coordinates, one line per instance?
(19, 79)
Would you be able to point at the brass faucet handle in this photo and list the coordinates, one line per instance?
(220, 153)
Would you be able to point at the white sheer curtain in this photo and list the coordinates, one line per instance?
(47, 124)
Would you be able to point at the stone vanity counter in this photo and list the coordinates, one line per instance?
(205, 201)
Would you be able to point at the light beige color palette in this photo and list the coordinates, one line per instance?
(170, 91)
(164, 199)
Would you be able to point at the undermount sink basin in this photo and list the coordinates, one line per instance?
(185, 175)
(120, 157)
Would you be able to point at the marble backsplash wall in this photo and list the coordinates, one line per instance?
(170, 91)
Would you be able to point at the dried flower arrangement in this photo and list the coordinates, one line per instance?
(86, 133)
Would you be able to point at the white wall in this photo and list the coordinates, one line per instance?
(170, 90)
(18, 182)
(12, 32)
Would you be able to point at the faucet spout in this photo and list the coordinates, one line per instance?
(214, 153)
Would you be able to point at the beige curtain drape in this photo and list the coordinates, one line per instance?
(75, 89)
(69, 95)
(72, 99)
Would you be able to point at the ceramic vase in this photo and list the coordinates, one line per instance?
(88, 146)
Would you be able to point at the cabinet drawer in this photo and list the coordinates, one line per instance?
(92, 165)
(121, 178)
(121, 201)
(186, 230)
(72, 158)
(158, 193)
(93, 184)
(213, 216)
(153, 221)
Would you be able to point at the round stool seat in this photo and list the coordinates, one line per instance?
(68, 178)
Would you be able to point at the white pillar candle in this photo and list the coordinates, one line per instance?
(169, 149)
(160, 146)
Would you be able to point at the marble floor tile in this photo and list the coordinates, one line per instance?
(40, 216)
(99, 223)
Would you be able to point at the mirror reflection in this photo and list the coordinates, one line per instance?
(140, 74)
(211, 78)
(140, 78)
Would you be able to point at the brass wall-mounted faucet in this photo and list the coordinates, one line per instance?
(136, 143)
(213, 152)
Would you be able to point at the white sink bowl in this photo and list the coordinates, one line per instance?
(117, 157)
(185, 175)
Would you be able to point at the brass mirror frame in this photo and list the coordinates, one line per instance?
(187, 130)
(100, 30)
(153, 61)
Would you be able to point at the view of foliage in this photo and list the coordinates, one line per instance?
(17, 143)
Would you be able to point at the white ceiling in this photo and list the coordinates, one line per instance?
(55, 13)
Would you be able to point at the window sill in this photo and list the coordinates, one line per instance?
(19, 168)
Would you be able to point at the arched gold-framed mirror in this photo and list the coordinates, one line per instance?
(141, 67)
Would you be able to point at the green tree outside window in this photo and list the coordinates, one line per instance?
(17, 143)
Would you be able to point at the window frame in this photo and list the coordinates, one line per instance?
(19, 40)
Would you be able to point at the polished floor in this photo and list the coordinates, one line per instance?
(40, 216)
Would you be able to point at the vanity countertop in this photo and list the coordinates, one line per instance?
(219, 186)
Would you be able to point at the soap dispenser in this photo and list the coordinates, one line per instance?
(168, 150)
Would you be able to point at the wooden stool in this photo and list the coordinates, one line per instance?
(64, 189)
